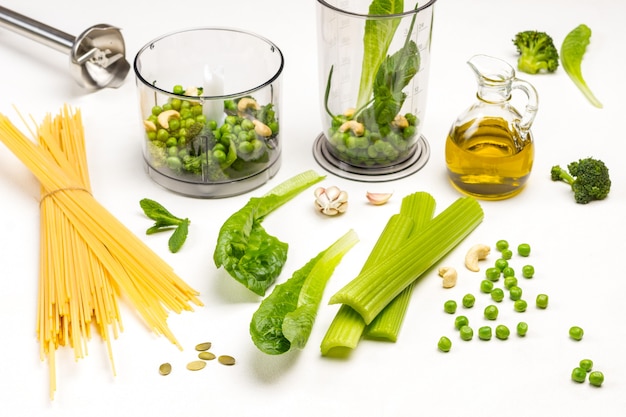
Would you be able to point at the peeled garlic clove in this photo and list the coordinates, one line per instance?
(378, 199)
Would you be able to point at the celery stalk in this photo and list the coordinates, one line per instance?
(388, 322)
(347, 327)
(374, 288)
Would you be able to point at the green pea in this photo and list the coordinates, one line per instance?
(162, 135)
(491, 312)
(586, 364)
(502, 245)
(542, 301)
(515, 293)
(502, 332)
(510, 282)
(466, 333)
(176, 103)
(528, 271)
(576, 332)
(444, 344)
(507, 254)
(156, 110)
(461, 321)
(484, 333)
(508, 272)
(492, 274)
(579, 375)
(449, 306)
(178, 89)
(501, 264)
(174, 163)
(245, 147)
(523, 249)
(596, 378)
(520, 305)
(486, 286)
(497, 295)
(468, 300)
(219, 155)
(522, 328)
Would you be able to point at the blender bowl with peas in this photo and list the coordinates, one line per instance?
(209, 101)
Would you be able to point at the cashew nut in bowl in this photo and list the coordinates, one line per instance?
(476, 253)
(449, 276)
(164, 117)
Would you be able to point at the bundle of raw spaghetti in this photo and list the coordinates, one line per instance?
(87, 256)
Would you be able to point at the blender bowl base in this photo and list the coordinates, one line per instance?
(402, 169)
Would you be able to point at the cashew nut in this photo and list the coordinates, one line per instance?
(165, 116)
(149, 125)
(476, 253)
(262, 129)
(449, 276)
(247, 103)
(400, 121)
(191, 91)
(349, 112)
(357, 128)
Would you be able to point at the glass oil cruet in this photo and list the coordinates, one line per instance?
(489, 149)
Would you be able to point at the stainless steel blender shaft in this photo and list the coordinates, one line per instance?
(97, 56)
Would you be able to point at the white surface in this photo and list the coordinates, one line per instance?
(577, 250)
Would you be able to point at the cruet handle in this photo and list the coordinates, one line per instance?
(530, 111)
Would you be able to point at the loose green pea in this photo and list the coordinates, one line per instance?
(444, 344)
(501, 264)
(522, 328)
(468, 300)
(586, 364)
(484, 333)
(466, 333)
(492, 274)
(502, 332)
(576, 333)
(579, 375)
(596, 378)
(491, 312)
(510, 282)
(528, 271)
(486, 286)
(542, 301)
(502, 245)
(520, 305)
(449, 306)
(508, 272)
(523, 249)
(497, 295)
(507, 254)
(515, 293)
(460, 321)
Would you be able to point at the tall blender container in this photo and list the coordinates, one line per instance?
(373, 59)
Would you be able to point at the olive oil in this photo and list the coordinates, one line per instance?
(488, 159)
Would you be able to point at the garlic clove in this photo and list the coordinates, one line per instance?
(378, 199)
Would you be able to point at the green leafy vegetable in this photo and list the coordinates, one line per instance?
(573, 50)
(245, 249)
(376, 40)
(285, 318)
(372, 290)
(164, 220)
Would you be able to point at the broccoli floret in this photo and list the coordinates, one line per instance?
(537, 52)
(588, 177)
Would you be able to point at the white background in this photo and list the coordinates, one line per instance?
(577, 250)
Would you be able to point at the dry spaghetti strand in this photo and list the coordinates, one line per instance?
(87, 257)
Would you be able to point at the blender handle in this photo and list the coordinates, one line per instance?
(530, 111)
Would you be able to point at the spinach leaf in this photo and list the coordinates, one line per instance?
(249, 254)
(285, 318)
(378, 35)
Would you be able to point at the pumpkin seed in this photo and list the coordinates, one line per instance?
(207, 356)
(196, 365)
(226, 360)
(165, 369)
(203, 346)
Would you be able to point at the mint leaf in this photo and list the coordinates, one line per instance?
(179, 236)
(164, 220)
